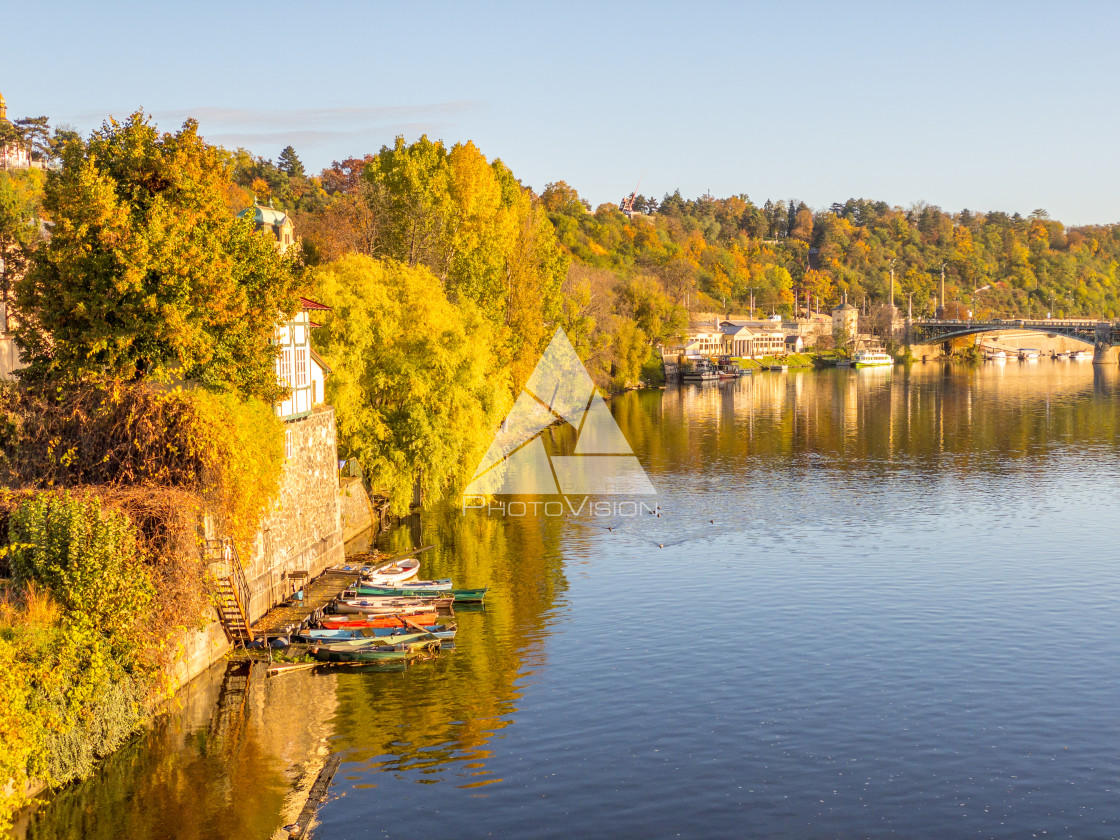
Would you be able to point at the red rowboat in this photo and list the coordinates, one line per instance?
(337, 622)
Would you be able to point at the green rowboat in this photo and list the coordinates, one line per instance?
(374, 653)
(462, 596)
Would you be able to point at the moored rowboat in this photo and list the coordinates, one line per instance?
(372, 652)
(435, 600)
(340, 621)
(420, 587)
(395, 572)
(363, 606)
(440, 631)
(462, 596)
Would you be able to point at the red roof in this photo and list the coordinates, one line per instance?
(305, 303)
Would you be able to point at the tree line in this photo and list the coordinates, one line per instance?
(723, 250)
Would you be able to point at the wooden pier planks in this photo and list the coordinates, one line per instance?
(281, 621)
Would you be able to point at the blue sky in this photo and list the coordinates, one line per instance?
(1008, 106)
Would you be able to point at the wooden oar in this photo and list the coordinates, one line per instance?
(405, 554)
(416, 626)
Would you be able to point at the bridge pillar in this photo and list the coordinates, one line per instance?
(1104, 353)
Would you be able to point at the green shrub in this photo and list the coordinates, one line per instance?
(88, 560)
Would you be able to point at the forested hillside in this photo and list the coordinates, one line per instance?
(993, 262)
(475, 271)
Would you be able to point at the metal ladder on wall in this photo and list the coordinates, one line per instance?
(232, 590)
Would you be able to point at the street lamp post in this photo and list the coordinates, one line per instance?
(891, 302)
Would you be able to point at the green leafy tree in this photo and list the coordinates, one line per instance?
(558, 197)
(62, 135)
(21, 196)
(485, 237)
(9, 134)
(417, 385)
(643, 300)
(148, 276)
(36, 133)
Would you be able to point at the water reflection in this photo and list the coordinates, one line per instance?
(877, 550)
(445, 715)
(224, 764)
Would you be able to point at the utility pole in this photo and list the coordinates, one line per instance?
(942, 290)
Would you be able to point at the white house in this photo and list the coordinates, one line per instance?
(298, 367)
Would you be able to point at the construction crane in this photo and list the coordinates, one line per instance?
(628, 202)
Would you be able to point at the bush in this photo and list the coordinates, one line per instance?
(87, 559)
(228, 451)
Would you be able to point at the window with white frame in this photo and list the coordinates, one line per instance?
(286, 367)
(301, 366)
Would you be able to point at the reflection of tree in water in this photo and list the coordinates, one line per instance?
(442, 714)
(209, 770)
(933, 417)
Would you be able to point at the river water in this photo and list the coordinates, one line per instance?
(875, 603)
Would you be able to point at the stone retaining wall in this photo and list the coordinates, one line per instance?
(302, 533)
(355, 508)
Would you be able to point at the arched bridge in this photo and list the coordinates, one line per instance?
(1100, 334)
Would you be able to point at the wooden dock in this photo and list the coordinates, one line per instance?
(281, 621)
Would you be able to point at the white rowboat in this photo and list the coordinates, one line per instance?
(394, 573)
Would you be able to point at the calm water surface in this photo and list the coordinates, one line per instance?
(887, 605)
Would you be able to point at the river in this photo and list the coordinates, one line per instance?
(875, 603)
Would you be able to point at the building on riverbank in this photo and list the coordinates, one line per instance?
(737, 338)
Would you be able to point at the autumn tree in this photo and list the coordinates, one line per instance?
(417, 389)
(21, 195)
(484, 236)
(148, 276)
(558, 197)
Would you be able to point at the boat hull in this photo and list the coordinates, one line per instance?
(396, 572)
(414, 588)
(445, 632)
(376, 621)
(373, 653)
(462, 596)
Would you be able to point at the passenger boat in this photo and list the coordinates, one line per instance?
(339, 622)
(1029, 354)
(1081, 355)
(872, 358)
(996, 355)
(700, 370)
(462, 596)
(395, 572)
(729, 369)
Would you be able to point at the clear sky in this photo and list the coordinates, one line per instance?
(1009, 106)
